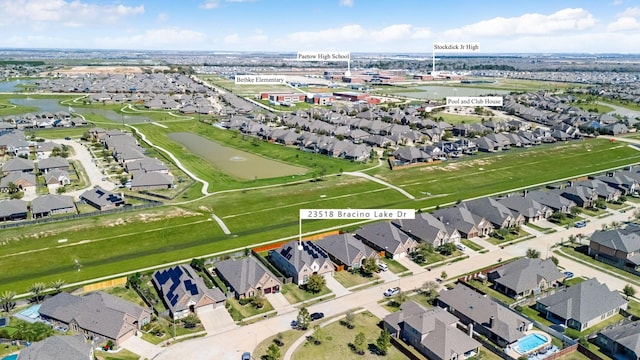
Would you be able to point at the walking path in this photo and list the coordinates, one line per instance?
(379, 181)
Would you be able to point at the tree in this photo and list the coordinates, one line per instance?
(628, 291)
(303, 319)
(317, 334)
(532, 253)
(273, 352)
(258, 300)
(315, 283)
(447, 249)
(134, 280)
(61, 190)
(6, 300)
(359, 343)
(369, 266)
(12, 188)
(383, 342)
(401, 297)
(197, 264)
(429, 288)
(56, 285)
(348, 319)
(555, 260)
(36, 289)
(443, 275)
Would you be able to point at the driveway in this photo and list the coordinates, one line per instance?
(279, 302)
(216, 321)
(144, 349)
(336, 288)
(409, 264)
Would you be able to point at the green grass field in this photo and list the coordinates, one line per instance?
(129, 241)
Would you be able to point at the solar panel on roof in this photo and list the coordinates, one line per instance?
(191, 287)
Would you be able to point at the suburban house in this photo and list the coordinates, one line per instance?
(99, 316)
(347, 252)
(14, 209)
(582, 306)
(621, 342)
(57, 177)
(383, 236)
(530, 209)
(17, 164)
(146, 165)
(298, 263)
(618, 247)
(489, 318)
(48, 205)
(495, 212)
(460, 218)
(552, 200)
(141, 180)
(247, 277)
(602, 189)
(53, 163)
(58, 347)
(22, 180)
(525, 276)
(432, 332)
(427, 228)
(102, 199)
(184, 292)
(583, 196)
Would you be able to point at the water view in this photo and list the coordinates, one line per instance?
(53, 105)
(439, 92)
(12, 86)
(234, 162)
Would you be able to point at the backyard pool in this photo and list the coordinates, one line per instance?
(11, 357)
(30, 314)
(530, 342)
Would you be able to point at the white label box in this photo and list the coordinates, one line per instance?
(456, 46)
(260, 79)
(323, 56)
(372, 214)
(474, 100)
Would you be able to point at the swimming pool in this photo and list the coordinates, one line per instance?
(30, 314)
(10, 357)
(530, 343)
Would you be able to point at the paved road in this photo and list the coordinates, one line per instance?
(620, 110)
(379, 181)
(232, 343)
(82, 154)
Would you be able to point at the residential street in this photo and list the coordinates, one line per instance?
(230, 344)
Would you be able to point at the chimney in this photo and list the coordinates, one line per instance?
(470, 329)
(491, 320)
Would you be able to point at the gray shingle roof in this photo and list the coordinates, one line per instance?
(12, 207)
(627, 335)
(626, 240)
(97, 312)
(53, 162)
(17, 164)
(51, 202)
(58, 347)
(344, 247)
(424, 226)
(526, 274)
(243, 274)
(584, 301)
(383, 234)
(507, 324)
(101, 197)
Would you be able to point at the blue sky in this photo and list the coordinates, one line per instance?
(591, 26)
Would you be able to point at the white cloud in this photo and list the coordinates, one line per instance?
(356, 33)
(210, 4)
(346, 3)
(572, 19)
(630, 12)
(624, 24)
(254, 41)
(213, 4)
(166, 38)
(70, 13)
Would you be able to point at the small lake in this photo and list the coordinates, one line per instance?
(439, 92)
(12, 86)
(53, 105)
(236, 163)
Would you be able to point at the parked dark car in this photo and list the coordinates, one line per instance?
(316, 316)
